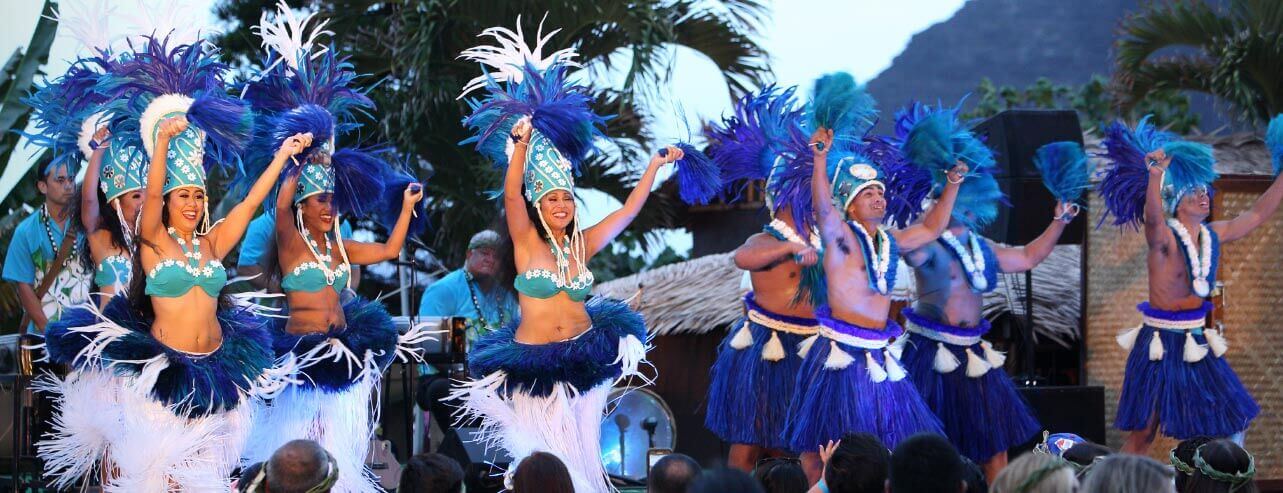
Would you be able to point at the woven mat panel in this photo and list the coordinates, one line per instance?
(695, 296)
(1252, 270)
(1253, 319)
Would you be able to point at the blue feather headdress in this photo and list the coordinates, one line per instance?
(67, 111)
(1123, 187)
(907, 185)
(1064, 170)
(764, 140)
(934, 139)
(1274, 141)
(839, 104)
(160, 81)
(309, 88)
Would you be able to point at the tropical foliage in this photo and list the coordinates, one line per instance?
(1230, 49)
(410, 49)
(1093, 101)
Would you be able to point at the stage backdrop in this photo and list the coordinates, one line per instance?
(1252, 304)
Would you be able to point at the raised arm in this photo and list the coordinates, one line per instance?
(762, 252)
(1020, 259)
(89, 189)
(1155, 218)
(1264, 207)
(227, 233)
(937, 217)
(361, 253)
(286, 232)
(150, 227)
(602, 233)
(832, 230)
(514, 204)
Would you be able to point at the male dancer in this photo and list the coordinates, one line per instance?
(982, 413)
(1171, 379)
(851, 381)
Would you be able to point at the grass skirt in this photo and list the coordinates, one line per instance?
(982, 412)
(332, 397)
(754, 377)
(551, 397)
(854, 386)
(169, 419)
(1181, 379)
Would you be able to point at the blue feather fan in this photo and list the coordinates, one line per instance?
(1274, 141)
(697, 176)
(839, 104)
(1064, 170)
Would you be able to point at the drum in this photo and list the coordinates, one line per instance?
(637, 420)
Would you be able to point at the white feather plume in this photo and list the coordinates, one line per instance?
(167, 19)
(288, 34)
(505, 61)
(86, 21)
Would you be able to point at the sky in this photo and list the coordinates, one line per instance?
(804, 39)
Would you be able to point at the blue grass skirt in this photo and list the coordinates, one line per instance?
(168, 418)
(1181, 378)
(854, 386)
(342, 355)
(754, 377)
(551, 397)
(982, 412)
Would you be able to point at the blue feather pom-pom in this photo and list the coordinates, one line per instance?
(1123, 186)
(930, 142)
(1064, 169)
(1192, 165)
(391, 203)
(358, 175)
(228, 124)
(839, 104)
(698, 178)
(307, 118)
(1274, 141)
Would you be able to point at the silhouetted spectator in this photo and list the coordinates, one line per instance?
(926, 463)
(431, 473)
(542, 472)
(672, 473)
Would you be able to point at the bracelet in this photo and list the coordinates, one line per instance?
(961, 178)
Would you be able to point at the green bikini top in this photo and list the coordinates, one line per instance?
(544, 284)
(310, 277)
(172, 278)
(112, 271)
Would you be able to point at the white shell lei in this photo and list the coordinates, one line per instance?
(881, 258)
(193, 256)
(791, 235)
(1200, 261)
(973, 262)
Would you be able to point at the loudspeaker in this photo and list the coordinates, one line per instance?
(1071, 409)
(1014, 136)
(482, 469)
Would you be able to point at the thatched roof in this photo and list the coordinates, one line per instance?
(1236, 154)
(695, 296)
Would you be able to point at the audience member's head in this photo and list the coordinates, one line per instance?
(300, 466)
(724, 480)
(1036, 473)
(1221, 466)
(431, 473)
(672, 473)
(858, 465)
(482, 256)
(974, 476)
(542, 472)
(1085, 455)
(925, 463)
(1124, 473)
(1182, 459)
(781, 475)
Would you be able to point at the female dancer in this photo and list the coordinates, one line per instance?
(114, 178)
(542, 381)
(184, 364)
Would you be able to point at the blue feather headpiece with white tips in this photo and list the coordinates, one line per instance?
(1064, 168)
(306, 87)
(520, 82)
(67, 111)
(764, 140)
(1192, 168)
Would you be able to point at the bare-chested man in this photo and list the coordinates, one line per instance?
(850, 380)
(959, 374)
(1176, 377)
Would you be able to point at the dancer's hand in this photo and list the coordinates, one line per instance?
(826, 451)
(521, 131)
(294, 145)
(172, 126)
(100, 137)
(1066, 212)
(958, 172)
(806, 256)
(412, 195)
(670, 154)
(822, 141)
(1157, 162)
